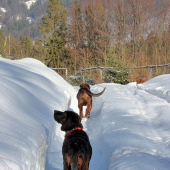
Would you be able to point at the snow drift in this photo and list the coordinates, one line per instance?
(29, 93)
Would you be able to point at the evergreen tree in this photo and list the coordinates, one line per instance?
(119, 72)
(15, 50)
(38, 51)
(53, 27)
(22, 43)
(28, 45)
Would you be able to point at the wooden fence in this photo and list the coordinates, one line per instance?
(150, 68)
(101, 68)
(66, 72)
(130, 68)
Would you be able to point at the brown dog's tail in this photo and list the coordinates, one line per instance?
(95, 95)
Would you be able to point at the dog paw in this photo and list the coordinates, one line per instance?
(87, 115)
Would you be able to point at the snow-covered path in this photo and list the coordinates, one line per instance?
(126, 129)
(93, 129)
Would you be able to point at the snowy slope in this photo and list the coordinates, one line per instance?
(128, 125)
(29, 94)
(158, 86)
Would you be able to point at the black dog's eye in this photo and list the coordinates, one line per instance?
(63, 119)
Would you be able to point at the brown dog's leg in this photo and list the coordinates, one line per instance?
(88, 110)
(80, 106)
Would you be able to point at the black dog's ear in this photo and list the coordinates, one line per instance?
(59, 116)
(72, 120)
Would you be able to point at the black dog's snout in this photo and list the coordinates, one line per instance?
(56, 111)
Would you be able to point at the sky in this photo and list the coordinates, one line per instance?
(128, 125)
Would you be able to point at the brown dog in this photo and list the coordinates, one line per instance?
(76, 148)
(84, 97)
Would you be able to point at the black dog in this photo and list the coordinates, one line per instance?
(76, 148)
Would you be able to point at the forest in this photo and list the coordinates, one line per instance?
(122, 34)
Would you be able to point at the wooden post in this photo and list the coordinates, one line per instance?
(66, 73)
(101, 74)
(150, 72)
(130, 71)
(83, 76)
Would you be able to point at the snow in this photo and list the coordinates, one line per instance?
(29, 19)
(3, 9)
(30, 3)
(128, 125)
(29, 93)
(158, 87)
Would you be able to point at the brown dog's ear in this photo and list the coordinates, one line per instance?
(88, 86)
(59, 116)
(85, 85)
(82, 85)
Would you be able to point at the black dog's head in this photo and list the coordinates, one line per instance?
(68, 119)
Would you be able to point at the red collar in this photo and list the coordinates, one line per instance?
(76, 128)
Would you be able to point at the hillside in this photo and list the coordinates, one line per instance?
(22, 16)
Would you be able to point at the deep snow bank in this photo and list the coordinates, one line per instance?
(158, 86)
(130, 130)
(29, 93)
